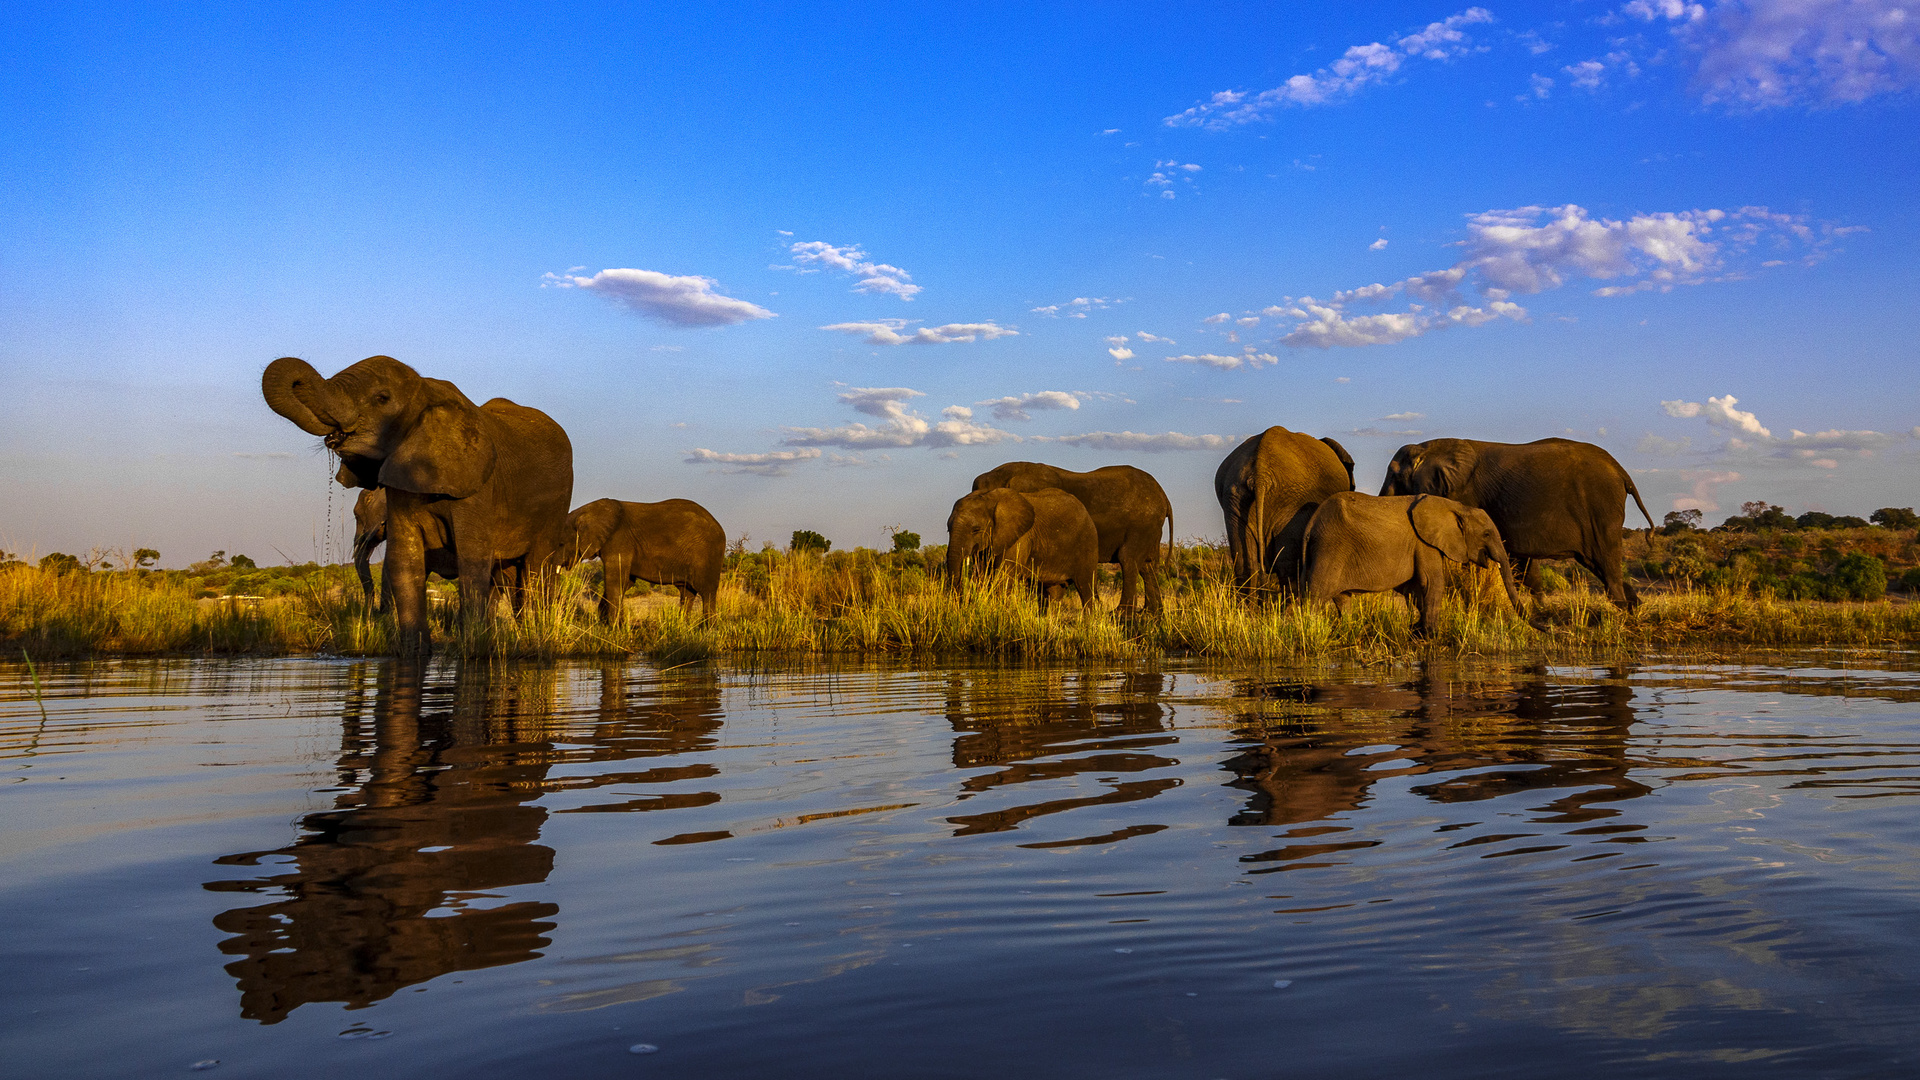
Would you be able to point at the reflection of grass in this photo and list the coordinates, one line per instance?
(871, 604)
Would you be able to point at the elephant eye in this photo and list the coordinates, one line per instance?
(382, 398)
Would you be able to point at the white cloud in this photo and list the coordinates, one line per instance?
(887, 332)
(1077, 307)
(1720, 412)
(1248, 358)
(1378, 245)
(1122, 441)
(1017, 407)
(1751, 443)
(901, 427)
(1117, 347)
(1215, 320)
(774, 463)
(1760, 54)
(682, 301)
(1405, 416)
(1144, 336)
(1539, 88)
(1358, 68)
(1376, 433)
(875, 277)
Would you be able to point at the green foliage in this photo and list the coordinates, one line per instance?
(241, 562)
(59, 562)
(1910, 580)
(1680, 521)
(1896, 517)
(144, 558)
(1860, 576)
(1551, 580)
(807, 540)
(905, 541)
(1814, 519)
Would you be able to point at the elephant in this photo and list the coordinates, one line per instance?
(1268, 488)
(490, 482)
(1045, 535)
(1550, 499)
(1127, 506)
(370, 531)
(1370, 543)
(676, 542)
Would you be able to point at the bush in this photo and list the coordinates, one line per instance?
(1910, 580)
(808, 540)
(1896, 517)
(1680, 521)
(60, 563)
(906, 541)
(1860, 577)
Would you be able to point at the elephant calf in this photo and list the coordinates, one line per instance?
(1371, 543)
(675, 542)
(1046, 536)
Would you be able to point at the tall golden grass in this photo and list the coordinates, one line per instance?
(800, 605)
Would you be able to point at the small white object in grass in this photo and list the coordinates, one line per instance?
(203, 1066)
(643, 1048)
(1282, 984)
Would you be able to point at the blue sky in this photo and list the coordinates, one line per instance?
(818, 270)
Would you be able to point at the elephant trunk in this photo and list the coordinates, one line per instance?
(956, 566)
(282, 385)
(1506, 578)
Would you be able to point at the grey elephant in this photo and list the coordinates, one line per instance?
(1268, 488)
(491, 483)
(1550, 499)
(1046, 536)
(370, 531)
(1359, 543)
(675, 542)
(1127, 506)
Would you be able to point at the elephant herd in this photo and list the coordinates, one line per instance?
(479, 494)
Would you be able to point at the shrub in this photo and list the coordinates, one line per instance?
(60, 562)
(1860, 577)
(808, 540)
(906, 541)
(1680, 521)
(1896, 517)
(1814, 519)
(1910, 580)
(1550, 579)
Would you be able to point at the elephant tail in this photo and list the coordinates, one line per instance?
(1169, 534)
(1635, 492)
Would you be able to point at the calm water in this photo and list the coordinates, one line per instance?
(322, 868)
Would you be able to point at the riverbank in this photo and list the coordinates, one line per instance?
(884, 606)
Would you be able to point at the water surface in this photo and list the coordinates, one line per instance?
(307, 867)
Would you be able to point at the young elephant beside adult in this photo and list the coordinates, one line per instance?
(1046, 536)
(675, 542)
(1127, 506)
(490, 482)
(1359, 543)
(370, 531)
(1268, 488)
(1550, 499)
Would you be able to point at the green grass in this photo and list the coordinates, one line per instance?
(869, 604)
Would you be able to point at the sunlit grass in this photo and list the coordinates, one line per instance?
(875, 605)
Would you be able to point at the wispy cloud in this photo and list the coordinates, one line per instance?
(1758, 54)
(900, 426)
(888, 332)
(1141, 442)
(774, 463)
(1754, 444)
(1358, 68)
(875, 277)
(1250, 358)
(1077, 307)
(681, 301)
(1019, 407)
(1117, 347)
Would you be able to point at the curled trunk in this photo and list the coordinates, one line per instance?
(283, 384)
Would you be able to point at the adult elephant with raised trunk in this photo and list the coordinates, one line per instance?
(1127, 505)
(1268, 488)
(490, 482)
(1550, 499)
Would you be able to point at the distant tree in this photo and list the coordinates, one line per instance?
(1814, 519)
(902, 539)
(1861, 577)
(241, 562)
(1680, 521)
(1896, 517)
(1848, 521)
(144, 558)
(1759, 514)
(59, 562)
(808, 540)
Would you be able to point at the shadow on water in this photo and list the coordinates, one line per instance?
(439, 771)
(1053, 725)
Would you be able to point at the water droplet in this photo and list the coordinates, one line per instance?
(643, 1048)
(203, 1066)
(1282, 984)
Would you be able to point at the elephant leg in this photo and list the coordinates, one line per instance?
(1129, 568)
(1150, 580)
(1429, 590)
(476, 585)
(613, 589)
(687, 598)
(1528, 571)
(405, 574)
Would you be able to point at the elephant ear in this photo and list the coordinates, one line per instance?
(590, 527)
(1441, 524)
(1346, 459)
(445, 452)
(358, 473)
(1445, 466)
(1012, 521)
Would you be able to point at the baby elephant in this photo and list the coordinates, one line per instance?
(1371, 543)
(1046, 536)
(675, 542)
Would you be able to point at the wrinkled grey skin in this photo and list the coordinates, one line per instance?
(1359, 543)
(1046, 536)
(1268, 488)
(1127, 506)
(1550, 499)
(491, 483)
(675, 542)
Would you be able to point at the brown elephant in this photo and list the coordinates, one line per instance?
(1268, 488)
(675, 542)
(1359, 543)
(1046, 536)
(370, 531)
(1127, 506)
(490, 482)
(1550, 499)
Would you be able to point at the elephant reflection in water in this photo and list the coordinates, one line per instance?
(1083, 722)
(1303, 772)
(437, 810)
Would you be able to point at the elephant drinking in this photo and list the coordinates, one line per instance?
(1046, 536)
(1127, 506)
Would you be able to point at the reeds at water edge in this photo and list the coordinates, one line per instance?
(878, 606)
